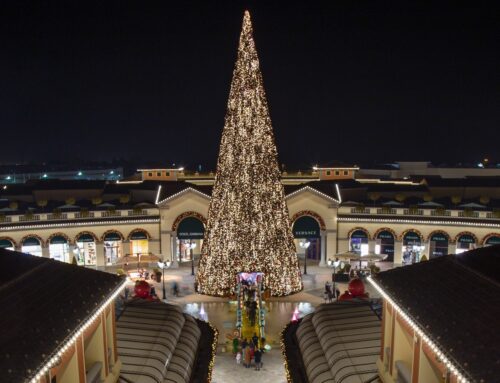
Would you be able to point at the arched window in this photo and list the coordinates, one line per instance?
(465, 242)
(358, 242)
(413, 247)
(438, 245)
(85, 249)
(31, 245)
(190, 232)
(385, 244)
(59, 248)
(492, 239)
(307, 227)
(139, 242)
(7, 243)
(113, 244)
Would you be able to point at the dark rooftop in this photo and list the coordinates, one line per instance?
(456, 299)
(44, 302)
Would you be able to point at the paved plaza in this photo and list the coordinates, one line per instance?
(221, 313)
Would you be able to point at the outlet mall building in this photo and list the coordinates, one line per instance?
(406, 212)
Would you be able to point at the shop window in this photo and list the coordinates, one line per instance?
(112, 251)
(167, 174)
(139, 246)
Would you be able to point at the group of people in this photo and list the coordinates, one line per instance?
(249, 351)
(329, 295)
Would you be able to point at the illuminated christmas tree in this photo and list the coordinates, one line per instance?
(248, 228)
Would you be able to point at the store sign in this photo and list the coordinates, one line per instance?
(439, 238)
(359, 234)
(411, 237)
(466, 238)
(385, 235)
(190, 228)
(57, 240)
(85, 238)
(306, 227)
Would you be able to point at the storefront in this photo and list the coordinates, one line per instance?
(385, 244)
(412, 247)
(492, 240)
(6, 244)
(31, 245)
(438, 244)
(307, 228)
(85, 250)
(465, 242)
(113, 243)
(190, 232)
(139, 243)
(358, 242)
(59, 248)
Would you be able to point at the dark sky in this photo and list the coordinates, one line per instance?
(357, 81)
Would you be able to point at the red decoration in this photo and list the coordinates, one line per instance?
(345, 296)
(356, 287)
(142, 289)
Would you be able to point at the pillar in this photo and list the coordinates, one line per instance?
(331, 244)
(45, 251)
(371, 245)
(100, 257)
(324, 237)
(173, 241)
(71, 253)
(166, 245)
(398, 253)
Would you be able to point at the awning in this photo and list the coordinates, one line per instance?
(86, 237)
(4, 243)
(493, 240)
(190, 228)
(112, 236)
(31, 241)
(57, 240)
(138, 235)
(306, 227)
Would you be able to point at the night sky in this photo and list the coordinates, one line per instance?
(355, 81)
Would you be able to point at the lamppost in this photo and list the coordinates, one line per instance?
(191, 246)
(305, 244)
(334, 264)
(163, 266)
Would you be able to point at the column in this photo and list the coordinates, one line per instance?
(173, 241)
(100, 256)
(71, 253)
(45, 251)
(324, 237)
(371, 245)
(331, 244)
(398, 253)
(166, 245)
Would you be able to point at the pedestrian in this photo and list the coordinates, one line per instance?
(328, 287)
(255, 340)
(337, 294)
(325, 295)
(248, 357)
(330, 296)
(236, 344)
(238, 357)
(257, 356)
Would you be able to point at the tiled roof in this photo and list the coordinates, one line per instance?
(43, 304)
(455, 299)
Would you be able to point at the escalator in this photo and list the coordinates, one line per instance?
(250, 305)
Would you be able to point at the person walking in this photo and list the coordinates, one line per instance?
(236, 344)
(248, 357)
(330, 296)
(325, 295)
(257, 356)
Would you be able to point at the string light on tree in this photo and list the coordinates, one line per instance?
(248, 227)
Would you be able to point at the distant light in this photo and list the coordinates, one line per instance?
(485, 160)
(480, 165)
(45, 175)
(4, 187)
(80, 173)
(181, 169)
(8, 178)
(112, 172)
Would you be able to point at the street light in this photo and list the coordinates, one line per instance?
(334, 264)
(305, 244)
(163, 266)
(191, 246)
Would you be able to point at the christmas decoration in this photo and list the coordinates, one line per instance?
(248, 227)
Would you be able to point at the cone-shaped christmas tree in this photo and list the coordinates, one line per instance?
(248, 228)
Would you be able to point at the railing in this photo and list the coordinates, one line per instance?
(5, 219)
(25, 218)
(137, 212)
(413, 212)
(55, 216)
(495, 215)
(111, 214)
(441, 213)
(360, 210)
(472, 214)
(88, 214)
(386, 211)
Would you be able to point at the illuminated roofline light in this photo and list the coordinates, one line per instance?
(182, 192)
(305, 188)
(85, 224)
(426, 222)
(56, 356)
(435, 348)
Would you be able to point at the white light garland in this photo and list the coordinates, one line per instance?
(435, 348)
(424, 222)
(64, 347)
(308, 188)
(84, 223)
(182, 192)
(158, 195)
